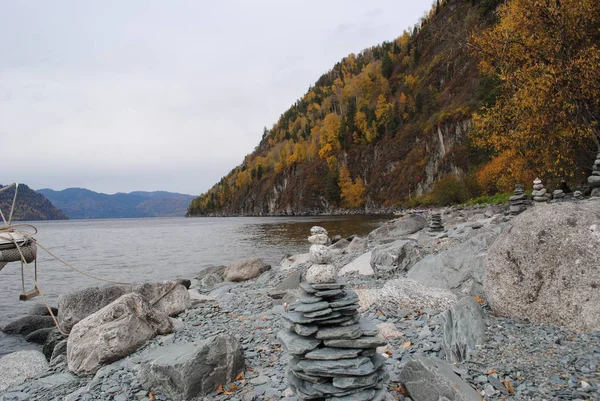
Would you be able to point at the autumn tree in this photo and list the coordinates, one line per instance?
(352, 191)
(545, 55)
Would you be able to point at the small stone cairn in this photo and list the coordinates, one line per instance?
(594, 179)
(435, 225)
(578, 195)
(558, 194)
(539, 192)
(333, 348)
(518, 202)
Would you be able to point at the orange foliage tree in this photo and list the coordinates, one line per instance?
(352, 192)
(546, 56)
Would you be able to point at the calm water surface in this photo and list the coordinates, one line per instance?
(140, 250)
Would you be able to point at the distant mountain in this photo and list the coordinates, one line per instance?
(30, 205)
(80, 203)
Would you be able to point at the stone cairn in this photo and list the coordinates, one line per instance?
(518, 202)
(578, 195)
(558, 194)
(594, 179)
(333, 348)
(539, 192)
(435, 225)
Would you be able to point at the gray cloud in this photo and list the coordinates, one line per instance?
(146, 95)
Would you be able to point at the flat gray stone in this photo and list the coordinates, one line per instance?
(464, 329)
(305, 330)
(368, 328)
(361, 342)
(329, 286)
(339, 332)
(327, 353)
(296, 344)
(318, 313)
(356, 381)
(360, 366)
(309, 299)
(328, 293)
(349, 299)
(308, 288)
(311, 307)
(365, 395)
(297, 317)
(431, 379)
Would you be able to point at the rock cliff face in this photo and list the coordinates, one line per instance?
(384, 167)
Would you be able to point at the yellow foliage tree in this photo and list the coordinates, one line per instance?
(546, 56)
(330, 142)
(352, 192)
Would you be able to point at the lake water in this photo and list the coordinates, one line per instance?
(155, 249)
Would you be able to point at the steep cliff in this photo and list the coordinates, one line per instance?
(381, 127)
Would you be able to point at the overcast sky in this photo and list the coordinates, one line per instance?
(117, 96)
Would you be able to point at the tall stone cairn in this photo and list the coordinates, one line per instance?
(594, 179)
(333, 348)
(435, 225)
(539, 192)
(518, 202)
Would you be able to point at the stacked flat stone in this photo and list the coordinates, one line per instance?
(594, 179)
(333, 349)
(539, 192)
(578, 195)
(435, 226)
(558, 194)
(518, 202)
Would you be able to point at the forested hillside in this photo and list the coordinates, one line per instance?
(394, 122)
(30, 205)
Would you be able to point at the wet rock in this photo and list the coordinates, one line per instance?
(28, 324)
(41, 310)
(39, 336)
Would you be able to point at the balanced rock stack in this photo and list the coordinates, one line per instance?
(539, 192)
(578, 195)
(594, 179)
(435, 226)
(558, 194)
(518, 202)
(334, 350)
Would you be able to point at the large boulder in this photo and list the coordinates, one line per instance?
(114, 332)
(357, 245)
(54, 337)
(76, 306)
(431, 379)
(245, 269)
(209, 270)
(405, 225)
(184, 371)
(408, 295)
(399, 256)
(15, 368)
(544, 266)
(360, 265)
(459, 269)
(464, 329)
(28, 324)
(169, 297)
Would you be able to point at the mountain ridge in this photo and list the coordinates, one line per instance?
(82, 203)
(30, 205)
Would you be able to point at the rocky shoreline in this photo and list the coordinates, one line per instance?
(427, 292)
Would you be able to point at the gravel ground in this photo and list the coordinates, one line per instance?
(519, 361)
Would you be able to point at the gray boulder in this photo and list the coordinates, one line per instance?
(386, 260)
(169, 297)
(291, 282)
(210, 280)
(41, 310)
(408, 295)
(114, 332)
(209, 270)
(464, 329)
(28, 324)
(76, 306)
(405, 225)
(245, 269)
(184, 371)
(54, 337)
(357, 245)
(39, 336)
(459, 269)
(544, 266)
(15, 368)
(340, 246)
(431, 379)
